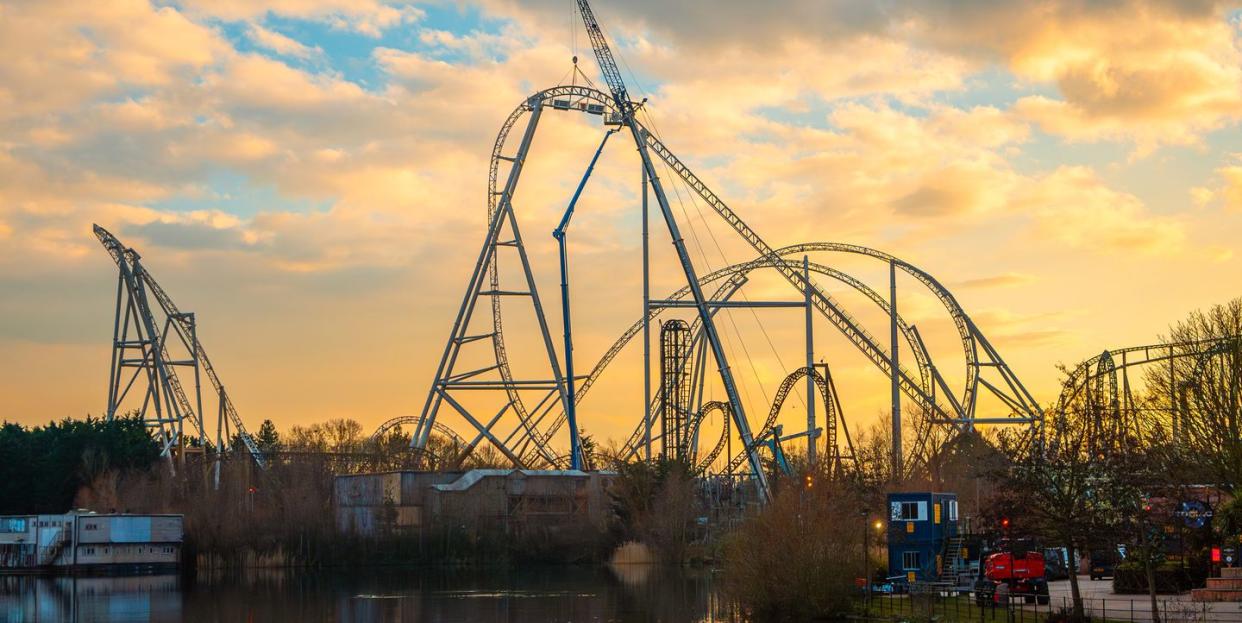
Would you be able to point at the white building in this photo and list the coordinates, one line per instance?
(83, 538)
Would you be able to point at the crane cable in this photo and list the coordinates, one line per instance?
(654, 129)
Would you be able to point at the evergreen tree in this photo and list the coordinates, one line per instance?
(268, 439)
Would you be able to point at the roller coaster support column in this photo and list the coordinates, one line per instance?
(810, 365)
(575, 452)
(646, 327)
(896, 383)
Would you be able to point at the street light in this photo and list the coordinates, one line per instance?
(866, 556)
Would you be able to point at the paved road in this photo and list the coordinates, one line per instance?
(1101, 601)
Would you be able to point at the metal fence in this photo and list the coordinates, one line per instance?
(1115, 609)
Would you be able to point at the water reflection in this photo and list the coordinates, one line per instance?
(629, 593)
(44, 598)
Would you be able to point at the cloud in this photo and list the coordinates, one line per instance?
(192, 232)
(64, 54)
(1172, 71)
(1231, 187)
(281, 44)
(1073, 206)
(366, 17)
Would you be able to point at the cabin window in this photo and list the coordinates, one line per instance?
(909, 511)
(911, 561)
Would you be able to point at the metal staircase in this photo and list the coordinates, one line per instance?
(954, 568)
(47, 555)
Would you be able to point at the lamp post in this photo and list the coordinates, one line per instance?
(866, 555)
(865, 575)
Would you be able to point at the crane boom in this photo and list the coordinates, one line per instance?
(607, 64)
(621, 99)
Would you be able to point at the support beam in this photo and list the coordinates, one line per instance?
(894, 369)
(671, 304)
(646, 325)
(810, 365)
(483, 430)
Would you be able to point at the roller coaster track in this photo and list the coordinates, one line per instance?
(403, 420)
(1103, 382)
(742, 270)
(535, 429)
(778, 401)
(705, 463)
(140, 281)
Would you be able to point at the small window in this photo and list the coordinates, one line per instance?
(13, 524)
(909, 511)
(911, 561)
(952, 510)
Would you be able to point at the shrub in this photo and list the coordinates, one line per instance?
(1170, 578)
(798, 557)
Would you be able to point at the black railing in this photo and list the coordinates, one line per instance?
(1113, 609)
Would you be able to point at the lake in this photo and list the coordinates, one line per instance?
(623, 593)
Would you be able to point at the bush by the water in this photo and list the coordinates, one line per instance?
(798, 557)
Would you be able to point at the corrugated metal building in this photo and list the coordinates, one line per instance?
(372, 504)
(83, 539)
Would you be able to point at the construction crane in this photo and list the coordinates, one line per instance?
(575, 451)
(626, 109)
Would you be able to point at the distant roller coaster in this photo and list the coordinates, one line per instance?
(1100, 389)
(145, 339)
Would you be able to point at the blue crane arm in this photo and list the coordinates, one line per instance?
(571, 415)
(559, 232)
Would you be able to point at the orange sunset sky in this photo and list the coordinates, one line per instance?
(310, 178)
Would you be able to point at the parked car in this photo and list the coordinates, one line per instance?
(1103, 563)
(1056, 565)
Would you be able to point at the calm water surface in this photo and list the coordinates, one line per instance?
(629, 593)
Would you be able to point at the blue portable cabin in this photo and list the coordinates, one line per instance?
(921, 526)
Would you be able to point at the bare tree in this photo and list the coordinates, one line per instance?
(1061, 491)
(1201, 390)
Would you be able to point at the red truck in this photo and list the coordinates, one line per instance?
(1009, 574)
